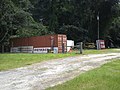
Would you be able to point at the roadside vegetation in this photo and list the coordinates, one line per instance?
(93, 51)
(107, 77)
(15, 60)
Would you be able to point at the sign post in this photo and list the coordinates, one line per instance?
(81, 48)
(98, 44)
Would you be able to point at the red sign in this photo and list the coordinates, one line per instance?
(100, 44)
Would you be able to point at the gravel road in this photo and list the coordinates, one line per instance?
(50, 73)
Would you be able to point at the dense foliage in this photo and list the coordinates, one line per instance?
(16, 19)
(75, 18)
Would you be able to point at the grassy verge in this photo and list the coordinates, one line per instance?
(100, 51)
(9, 61)
(106, 77)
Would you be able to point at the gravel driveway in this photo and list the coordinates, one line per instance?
(47, 74)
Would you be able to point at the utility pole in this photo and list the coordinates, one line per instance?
(98, 32)
(98, 25)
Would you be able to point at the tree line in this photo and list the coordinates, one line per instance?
(75, 18)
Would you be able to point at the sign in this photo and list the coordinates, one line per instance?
(41, 50)
(45, 50)
(70, 43)
(100, 44)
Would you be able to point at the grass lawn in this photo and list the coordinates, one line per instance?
(9, 61)
(93, 51)
(106, 77)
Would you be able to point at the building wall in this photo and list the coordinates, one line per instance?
(40, 42)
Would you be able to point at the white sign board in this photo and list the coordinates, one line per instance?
(70, 43)
(41, 50)
(45, 50)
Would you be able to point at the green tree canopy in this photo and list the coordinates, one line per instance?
(75, 18)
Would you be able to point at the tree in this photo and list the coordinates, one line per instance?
(75, 33)
(114, 32)
(72, 17)
(7, 11)
(15, 16)
(79, 13)
(34, 29)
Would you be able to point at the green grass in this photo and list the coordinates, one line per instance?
(15, 60)
(9, 61)
(93, 51)
(106, 77)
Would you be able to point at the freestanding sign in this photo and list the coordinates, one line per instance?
(100, 44)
